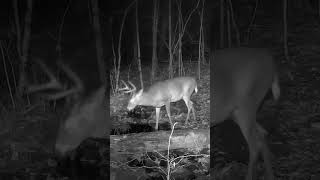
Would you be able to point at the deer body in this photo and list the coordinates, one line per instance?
(162, 93)
(241, 79)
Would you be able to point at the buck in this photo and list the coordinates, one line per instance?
(162, 93)
(241, 79)
(88, 114)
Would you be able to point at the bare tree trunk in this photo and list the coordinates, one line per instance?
(117, 73)
(170, 44)
(180, 63)
(229, 28)
(199, 49)
(25, 46)
(234, 22)
(154, 39)
(221, 23)
(58, 46)
(251, 21)
(285, 30)
(202, 34)
(177, 46)
(99, 47)
(201, 41)
(138, 47)
(18, 28)
(180, 25)
(7, 76)
(318, 7)
(163, 24)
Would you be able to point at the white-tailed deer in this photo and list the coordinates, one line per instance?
(87, 116)
(162, 93)
(241, 79)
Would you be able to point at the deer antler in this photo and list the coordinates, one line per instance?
(55, 84)
(134, 87)
(77, 81)
(52, 84)
(126, 89)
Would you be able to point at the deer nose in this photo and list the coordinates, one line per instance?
(130, 107)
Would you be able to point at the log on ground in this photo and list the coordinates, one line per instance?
(124, 146)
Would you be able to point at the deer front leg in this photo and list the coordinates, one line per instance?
(157, 117)
(245, 118)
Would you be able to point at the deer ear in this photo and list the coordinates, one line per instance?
(140, 92)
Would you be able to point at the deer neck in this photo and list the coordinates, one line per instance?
(147, 100)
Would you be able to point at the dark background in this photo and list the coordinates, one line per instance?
(296, 113)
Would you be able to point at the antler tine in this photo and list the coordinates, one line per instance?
(125, 88)
(55, 84)
(72, 75)
(78, 83)
(134, 87)
(52, 84)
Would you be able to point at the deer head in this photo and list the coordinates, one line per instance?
(135, 97)
(87, 118)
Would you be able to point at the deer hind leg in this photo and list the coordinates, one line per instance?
(169, 112)
(189, 105)
(192, 108)
(266, 153)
